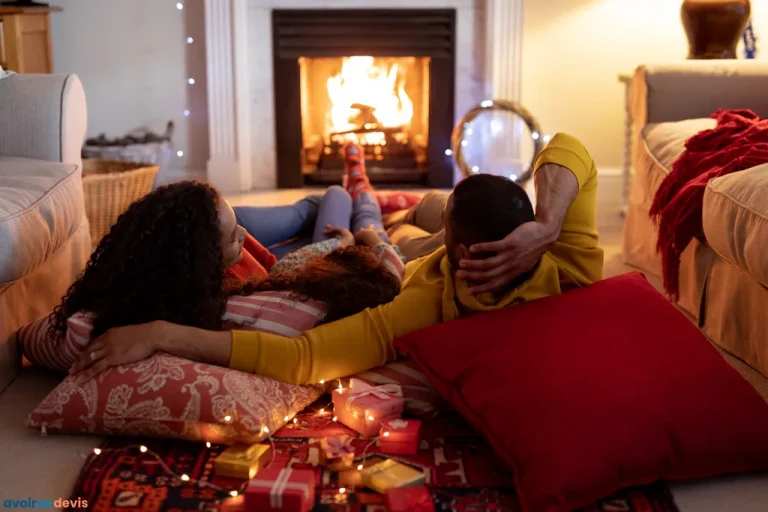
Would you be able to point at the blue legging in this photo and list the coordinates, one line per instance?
(304, 222)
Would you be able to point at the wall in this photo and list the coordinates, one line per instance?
(133, 59)
(573, 51)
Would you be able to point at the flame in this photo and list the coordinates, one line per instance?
(362, 81)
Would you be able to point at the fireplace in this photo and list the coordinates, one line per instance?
(382, 78)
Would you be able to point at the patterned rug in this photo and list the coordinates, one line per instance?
(463, 474)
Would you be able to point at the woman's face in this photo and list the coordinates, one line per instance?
(232, 235)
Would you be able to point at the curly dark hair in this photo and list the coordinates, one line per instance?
(348, 280)
(162, 260)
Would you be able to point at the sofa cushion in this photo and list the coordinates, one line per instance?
(736, 220)
(666, 141)
(41, 207)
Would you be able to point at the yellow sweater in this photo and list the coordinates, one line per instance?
(431, 295)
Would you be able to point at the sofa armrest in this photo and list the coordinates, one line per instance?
(697, 88)
(42, 117)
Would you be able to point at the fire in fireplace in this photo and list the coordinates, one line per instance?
(380, 103)
(382, 78)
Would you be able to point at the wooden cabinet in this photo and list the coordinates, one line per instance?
(25, 39)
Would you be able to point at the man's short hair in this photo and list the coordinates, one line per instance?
(487, 208)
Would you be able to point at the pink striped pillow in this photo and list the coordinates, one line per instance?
(274, 312)
(421, 399)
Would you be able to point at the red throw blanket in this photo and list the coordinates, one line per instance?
(738, 142)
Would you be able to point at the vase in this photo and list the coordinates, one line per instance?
(714, 27)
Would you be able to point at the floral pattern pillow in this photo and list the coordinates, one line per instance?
(166, 396)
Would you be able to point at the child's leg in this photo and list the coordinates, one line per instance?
(335, 210)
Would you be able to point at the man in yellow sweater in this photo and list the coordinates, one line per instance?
(554, 250)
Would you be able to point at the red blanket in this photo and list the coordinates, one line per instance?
(738, 142)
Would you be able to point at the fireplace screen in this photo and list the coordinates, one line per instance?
(381, 103)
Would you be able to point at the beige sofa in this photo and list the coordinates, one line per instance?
(724, 273)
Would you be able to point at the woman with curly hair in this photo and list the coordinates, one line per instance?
(171, 257)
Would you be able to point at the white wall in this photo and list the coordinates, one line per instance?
(132, 57)
(573, 51)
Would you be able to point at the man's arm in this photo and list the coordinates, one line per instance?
(566, 184)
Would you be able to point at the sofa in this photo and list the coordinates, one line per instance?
(724, 271)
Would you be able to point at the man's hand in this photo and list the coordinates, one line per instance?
(121, 345)
(344, 236)
(516, 254)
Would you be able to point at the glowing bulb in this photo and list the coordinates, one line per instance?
(286, 418)
(360, 467)
(185, 478)
(191, 81)
(448, 152)
(469, 131)
(513, 177)
(334, 418)
(190, 40)
(227, 418)
(186, 113)
(179, 5)
(371, 418)
(322, 411)
(465, 143)
(535, 135)
(386, 434)
(322, 381)
(265, 429)
(475, 169)
(143, 449)
(233, 494)
(547, 138)
(207, 445)
(295, 421)
(486, 104)
(179, 153)
(342, 490)
(97, 451)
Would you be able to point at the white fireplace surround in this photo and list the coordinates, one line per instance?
(240, 74)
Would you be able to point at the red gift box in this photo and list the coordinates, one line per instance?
(399, 437)
(288, 490)
(363, 407)
(409, 499)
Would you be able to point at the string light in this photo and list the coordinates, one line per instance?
(486, 104)
(97, 451)
(465, 143)
(475, 169)
(342, 490)
(179, 5)
(190, 40)
(265, 429)
(191, 81)
(371, 418)
(322, 411)
(186, 113)
(322, 381)
(535, 135)
(448, 152)
(185, 478)
(386, 434)
(208, 445)
(143, 449)
(286, 419)
(295, 421)
(227, 418)
(334, 418)
(233, 494)
(179, 153)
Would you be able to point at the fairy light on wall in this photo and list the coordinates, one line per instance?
(190, 80)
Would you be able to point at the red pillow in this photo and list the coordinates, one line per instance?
(391, 202)
(595, 390)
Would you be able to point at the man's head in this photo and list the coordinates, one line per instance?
(483, 208)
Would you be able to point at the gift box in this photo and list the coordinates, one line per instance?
(242, 461)
(391, 474)
(399, 437)
(337, 452)
(288, 490)
(363, 407)
(409, 499)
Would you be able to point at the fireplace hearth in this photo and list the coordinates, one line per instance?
(382, 78)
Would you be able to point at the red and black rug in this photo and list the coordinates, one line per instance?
(464, 475)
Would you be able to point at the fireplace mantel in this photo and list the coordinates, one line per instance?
(240, 83)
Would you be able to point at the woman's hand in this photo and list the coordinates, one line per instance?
(514, 255)
(368, 236)
(344, 236)
(121, 345)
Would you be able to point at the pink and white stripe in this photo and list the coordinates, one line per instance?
(274, 312)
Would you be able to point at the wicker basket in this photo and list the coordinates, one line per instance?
(110, 187)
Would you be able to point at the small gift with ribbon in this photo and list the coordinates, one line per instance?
(410, 499)
(399, 437)
(337, 452)
(287, 490)
(242, 461)
(391, 474)
(363, 407)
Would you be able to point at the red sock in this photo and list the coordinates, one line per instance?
(354, 167)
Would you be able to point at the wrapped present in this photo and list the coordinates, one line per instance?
(409, 499)
(242, 461)
(363, 407)
(337, 452)
(289, 490)
(391, 474)
(399, 437)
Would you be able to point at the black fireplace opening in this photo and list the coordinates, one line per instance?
(383, 78)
